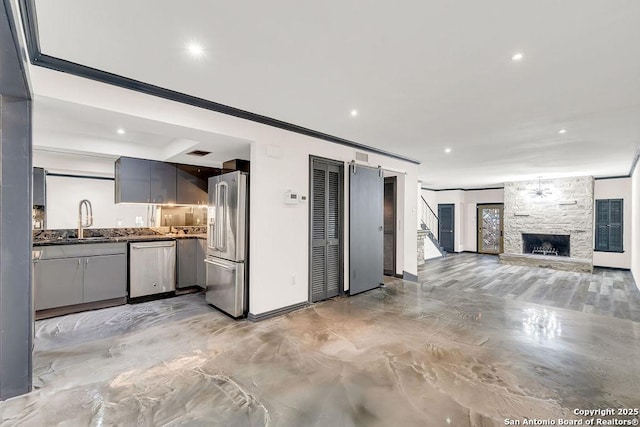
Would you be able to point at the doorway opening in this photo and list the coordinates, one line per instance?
(446, 226)
(390, 221)
(326, 228)
(490, 224)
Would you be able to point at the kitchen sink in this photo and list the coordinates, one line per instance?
(87, 239)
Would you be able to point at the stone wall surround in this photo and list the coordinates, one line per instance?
(421, 236)
(565, 208)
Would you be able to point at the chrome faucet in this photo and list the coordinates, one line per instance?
(82, 222)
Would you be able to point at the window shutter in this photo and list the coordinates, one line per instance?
(319, 233)
(609, 216)
(602, 225)
(615, 225)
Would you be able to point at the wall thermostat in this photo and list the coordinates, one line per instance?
(291, 198)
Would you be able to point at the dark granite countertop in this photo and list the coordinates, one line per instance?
(118, 239)
(68, 237)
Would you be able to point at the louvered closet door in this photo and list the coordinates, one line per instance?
(326, 230)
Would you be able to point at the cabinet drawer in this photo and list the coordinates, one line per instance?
(83, 250)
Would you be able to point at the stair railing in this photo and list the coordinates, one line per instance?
(429, 220)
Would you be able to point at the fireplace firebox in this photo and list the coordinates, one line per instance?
(546, 244)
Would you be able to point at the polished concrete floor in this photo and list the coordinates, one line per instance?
(406, 354)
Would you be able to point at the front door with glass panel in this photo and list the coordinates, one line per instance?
(490, 226)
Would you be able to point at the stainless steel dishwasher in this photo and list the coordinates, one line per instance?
(152, 268)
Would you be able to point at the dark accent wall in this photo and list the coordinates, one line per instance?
(16, 307)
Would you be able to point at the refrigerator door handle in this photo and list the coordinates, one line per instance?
(222, 206)
(220, 264)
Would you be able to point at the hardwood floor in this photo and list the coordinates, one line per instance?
(606, 292)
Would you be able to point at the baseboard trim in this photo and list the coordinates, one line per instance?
(277, 312)
(611, 268)
(410, 277)
(399, 276)
(61, 311)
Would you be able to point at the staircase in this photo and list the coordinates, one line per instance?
(429, 226)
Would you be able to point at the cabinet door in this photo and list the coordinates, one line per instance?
(191, 188)
(132, 180)
(201, 268)
(187, 267)
(38, 187)
(105, 277)
(162, 182)
(58, 282)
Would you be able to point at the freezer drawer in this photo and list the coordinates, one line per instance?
(225, 286)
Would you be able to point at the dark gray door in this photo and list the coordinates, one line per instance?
(326, 229)
(446, 231)
(390, 226)
(365, 229)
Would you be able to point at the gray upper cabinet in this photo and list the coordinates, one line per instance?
(150, 181)
(39, 187)
(191, 185)
(133, 180)
(162, 177)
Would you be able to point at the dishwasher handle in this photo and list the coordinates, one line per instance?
(151, 246)
(220, 264)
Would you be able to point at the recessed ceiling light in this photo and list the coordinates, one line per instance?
(561, 131)
(447, 150)
(121, 131)
(195, 49)
(354, 113)
(517, 57)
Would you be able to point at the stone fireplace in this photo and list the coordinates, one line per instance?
(546, 244)
(549, 223)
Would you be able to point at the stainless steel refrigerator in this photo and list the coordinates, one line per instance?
(226, 243)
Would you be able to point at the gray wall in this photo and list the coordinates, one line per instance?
(16, 312)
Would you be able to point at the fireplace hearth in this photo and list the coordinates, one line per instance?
(546, 244)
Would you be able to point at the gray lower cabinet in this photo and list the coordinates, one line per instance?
(105, 277)
(201, 268)
(75, 274)
(187, 266)
(58, 282)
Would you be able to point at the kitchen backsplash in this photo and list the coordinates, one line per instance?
(181, 216)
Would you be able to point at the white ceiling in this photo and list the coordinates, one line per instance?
(423, 76)
(66, 127)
